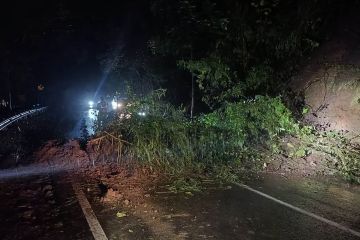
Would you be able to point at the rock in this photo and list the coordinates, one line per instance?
(28, 193)
(28, 214)
(47, 188)
(111, 195)
(25, 206)
(49, 194)
(313, 164)
(59, 225)
(126, 202)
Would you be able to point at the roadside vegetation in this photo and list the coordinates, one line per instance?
(227, 144)
(234, 60)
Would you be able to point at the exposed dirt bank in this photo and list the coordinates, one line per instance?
(329, 80)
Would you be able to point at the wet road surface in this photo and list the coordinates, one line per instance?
(40, 207)
(329, 198)
(34, 205)
(236, 213)
(44, 207)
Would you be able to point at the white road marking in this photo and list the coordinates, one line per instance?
(322, 219)
(90, 216)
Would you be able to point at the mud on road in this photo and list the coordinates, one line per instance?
(40, 207)
(36, 203)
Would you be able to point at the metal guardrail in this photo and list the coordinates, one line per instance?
(19, 116)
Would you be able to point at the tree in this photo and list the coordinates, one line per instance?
(238, 49)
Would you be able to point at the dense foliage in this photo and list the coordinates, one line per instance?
(239, 49)
(236, 139)
(241, 131)
(240, 135)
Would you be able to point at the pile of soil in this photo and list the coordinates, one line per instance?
(314, 164)
(56, 153)
(115, 181)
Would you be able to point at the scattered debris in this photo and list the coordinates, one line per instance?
(121, 214)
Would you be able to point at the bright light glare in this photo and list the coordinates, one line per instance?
(114, 104)
(92, 114)
(142, 114)
(119, 105)
(91, 104)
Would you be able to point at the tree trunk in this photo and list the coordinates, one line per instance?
(192, 96)
(192, 90)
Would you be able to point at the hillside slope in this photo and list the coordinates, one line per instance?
(330, 81)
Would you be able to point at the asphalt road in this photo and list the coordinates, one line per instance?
(36, 203)
(44, 207)
(238, 213)
(40, 207)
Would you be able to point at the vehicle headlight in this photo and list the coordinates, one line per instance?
(114, 105)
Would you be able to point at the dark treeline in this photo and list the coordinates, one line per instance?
(229, 49)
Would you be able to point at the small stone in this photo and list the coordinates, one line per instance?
(59, 225)
(28, 214)
(25, 206)
(47, 188)
(49, 194)
(126, 202)
(313, 163)
(147, 195)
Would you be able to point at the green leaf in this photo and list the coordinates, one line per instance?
(121, 214)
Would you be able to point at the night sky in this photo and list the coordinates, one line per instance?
(61, 44)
